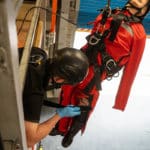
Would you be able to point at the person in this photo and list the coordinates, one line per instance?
(68, 66)
(116, 42)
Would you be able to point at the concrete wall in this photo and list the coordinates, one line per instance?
(65, 30)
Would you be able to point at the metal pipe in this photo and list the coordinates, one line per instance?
(28, 45)
(52, 29)
(53, 18)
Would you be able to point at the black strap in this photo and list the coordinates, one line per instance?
(53, 86)
(95, 81)
(56, 105)
(115, 24)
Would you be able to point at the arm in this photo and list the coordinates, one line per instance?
(37, 131)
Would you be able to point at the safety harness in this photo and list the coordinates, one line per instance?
(96, 45)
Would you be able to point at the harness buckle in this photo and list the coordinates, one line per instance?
(112, 69)
(94, 39)
(110, 64)
(36, 59)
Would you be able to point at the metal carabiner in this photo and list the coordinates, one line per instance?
(93, 40)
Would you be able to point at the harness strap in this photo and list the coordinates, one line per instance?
(115, 24)
(53, 86)
(108, 63)
(56, 105)
(120, 20)
(96, 44)
(94, 81)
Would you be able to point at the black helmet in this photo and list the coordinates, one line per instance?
(70, 64)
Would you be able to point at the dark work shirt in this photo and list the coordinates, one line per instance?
(36, 82)
(34, 92)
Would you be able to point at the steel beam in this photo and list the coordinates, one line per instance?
(11, 111)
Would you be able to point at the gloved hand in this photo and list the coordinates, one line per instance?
(68, 111)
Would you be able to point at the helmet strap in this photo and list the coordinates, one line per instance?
(53, 85)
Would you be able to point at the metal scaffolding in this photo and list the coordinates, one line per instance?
(11, 112)
(12, 76)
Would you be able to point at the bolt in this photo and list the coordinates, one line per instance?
(3, 62)
(18, 146)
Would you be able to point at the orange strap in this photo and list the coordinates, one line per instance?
(53, 19)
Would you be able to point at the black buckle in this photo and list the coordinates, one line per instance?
(94, 39)
(36, 59)
(110, 64)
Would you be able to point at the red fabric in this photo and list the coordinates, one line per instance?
(127, 48)
(130, 47)
(130, 70)
(72, 95)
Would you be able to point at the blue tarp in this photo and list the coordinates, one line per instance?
(89, 9)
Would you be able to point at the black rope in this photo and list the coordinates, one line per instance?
(108, 3)
(43, 8)
(50, 11)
